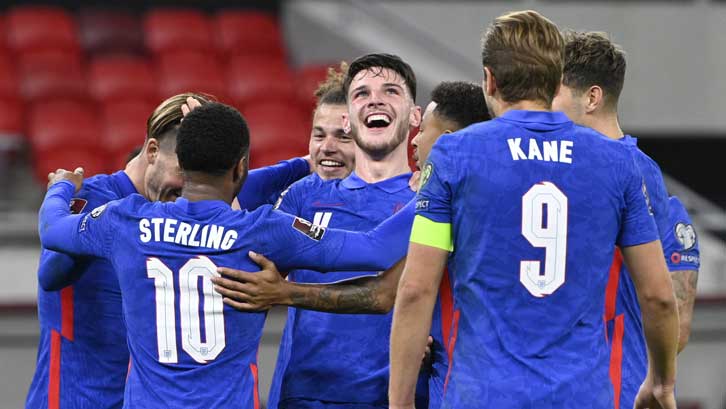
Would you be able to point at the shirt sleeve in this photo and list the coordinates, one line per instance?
(295, 243)
(72, 234)
(432, 225)
(637, 222)
(57, 270)
(268, 182)
(680, 246)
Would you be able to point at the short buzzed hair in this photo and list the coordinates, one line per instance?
(460, 102)
(591, 59)
(378, 62)
(524, 52)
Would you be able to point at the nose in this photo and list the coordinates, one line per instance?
(329, 145)
(375, 98)
(414, 141)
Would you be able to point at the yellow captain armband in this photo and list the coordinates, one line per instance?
(430, 233)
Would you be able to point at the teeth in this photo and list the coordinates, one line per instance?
(330, 163)
(378, 117)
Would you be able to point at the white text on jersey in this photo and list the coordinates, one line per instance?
(551, 151)
(192, 235)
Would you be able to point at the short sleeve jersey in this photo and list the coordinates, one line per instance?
(81, 326)
(349, 350)
(536, 205)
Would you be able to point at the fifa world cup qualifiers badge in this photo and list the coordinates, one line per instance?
(426, 175)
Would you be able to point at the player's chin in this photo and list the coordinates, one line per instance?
(329, 172)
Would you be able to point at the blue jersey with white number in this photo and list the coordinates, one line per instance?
(536, 206)
(187, 348)
(327, 357)
(629, 358)
(82, 354)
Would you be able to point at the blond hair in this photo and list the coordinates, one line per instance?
(169, 114)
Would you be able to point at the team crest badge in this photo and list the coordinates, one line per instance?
(426, 173)
(686, 235)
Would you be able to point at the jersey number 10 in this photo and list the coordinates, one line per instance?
(544, 224)
(189, 314)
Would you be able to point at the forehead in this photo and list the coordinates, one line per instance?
(376, 76)
(329, 113)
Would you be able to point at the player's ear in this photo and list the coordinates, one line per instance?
(595, 99)
(489, 84)
(151, 150)
(414, 119)
(240, 171)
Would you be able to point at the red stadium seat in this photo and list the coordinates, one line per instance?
(122, 77)
(41, 28)
(258, 80)
(276, 130)
(104, 31)
(190, 72)
(63, 124)
(251, 33)
(49, 74)
(308, 80)
(11, 116)
(92, 162)
(124, 126)
(170, 30)
(8, 78)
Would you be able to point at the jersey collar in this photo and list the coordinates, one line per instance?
(536, 117)
(629, 140)
(123, 184)
(391, 185)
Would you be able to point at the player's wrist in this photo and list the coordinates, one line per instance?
(287, 293)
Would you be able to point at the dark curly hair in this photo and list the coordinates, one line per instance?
(592, 59)
(377, 62)
(460, 102)
(212, 139)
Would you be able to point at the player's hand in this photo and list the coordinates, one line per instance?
(651, 396)
(190, 106)
(246, 291)
(76, 177)
(413, 183)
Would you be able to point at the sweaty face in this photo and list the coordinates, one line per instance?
(432, 126)
(380, 110)
(332, 150)
(569, 101)
(163, 180)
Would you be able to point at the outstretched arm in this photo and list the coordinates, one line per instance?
(264, 185)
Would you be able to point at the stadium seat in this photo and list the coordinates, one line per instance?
(124, 126)
(276, 128)
(190, 71)
(107, 31)
(63, 124)
(40, 28)
(308, 78)
(8, 78)
(119, 77)
(51, 74)
(247, 32)
(258, 80)
(92, 162)
(11, 116)
(170, 30)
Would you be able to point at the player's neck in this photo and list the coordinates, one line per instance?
(135, 170)
(524, 105)
(198, 187)
(372, 169)
(607, 125)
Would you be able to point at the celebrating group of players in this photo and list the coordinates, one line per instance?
(500, 284)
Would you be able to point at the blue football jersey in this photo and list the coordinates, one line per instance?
(536, 206)
(82, 354)
(336, 358)
(629, 356)
(187, 348)
(264, 185)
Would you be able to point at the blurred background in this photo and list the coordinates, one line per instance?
(78, 80)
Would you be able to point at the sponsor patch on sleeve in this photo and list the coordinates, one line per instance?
(77, 205)
(422, 204)
(426, 173)
(313, 231)
(686, 235)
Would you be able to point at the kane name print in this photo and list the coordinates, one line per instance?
(547, 151)
(186, 234)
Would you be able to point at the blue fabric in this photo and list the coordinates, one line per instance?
(264, 185)
(94, 363)
(337, 358)
(517, 347)
(210, 358)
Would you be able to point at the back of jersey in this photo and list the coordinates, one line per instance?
(187, 348)
(536, 205)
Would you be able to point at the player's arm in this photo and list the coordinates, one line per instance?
(684, 285)
(60, 230)
(264, 183)
(56, 270)
(246, 291)
(415, 299)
